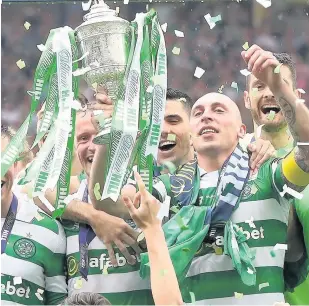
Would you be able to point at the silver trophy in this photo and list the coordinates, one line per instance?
(104, 36)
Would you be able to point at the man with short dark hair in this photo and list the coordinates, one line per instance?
(266, 111)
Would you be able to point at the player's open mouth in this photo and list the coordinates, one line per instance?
(167, 145)
(266, 109)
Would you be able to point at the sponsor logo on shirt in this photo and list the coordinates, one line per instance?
(10, 289)
(24, 248)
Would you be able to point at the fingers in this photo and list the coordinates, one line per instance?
(124, 251)
(102, 98)
(131, 242)
(128, 203)
(253, 58)
(262, 154)
(269, 62)
(263, 57)
(251, 51)
(137, 200)
(111, 254)
(140, 184)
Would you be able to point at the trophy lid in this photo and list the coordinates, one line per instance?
(99, 9)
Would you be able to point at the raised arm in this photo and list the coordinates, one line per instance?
(164, 283)
(296, 165)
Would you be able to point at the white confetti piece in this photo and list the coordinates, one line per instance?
(265, 3)
(238, 295)
(301, 91)
(250, 271)
(176, 51)
(125, 1)
(17, 280)
(164, 27)
(245, 46)
(234, 85)
(210, 21)
(27, 25)
(245, 72)
(263, 285)
(39, 217)
(171, 137)
(179, 33)
(303, 143)
(81, 71)
(291, 192)
(41, 47)
(271, 115)
(280, 246)
(300, 101)
(220, 90)
(20, 64)
(117, 9)
(78, 284)
(86, 6)
(259, 131)
(150, 89)
(198, 72)
(164, 208)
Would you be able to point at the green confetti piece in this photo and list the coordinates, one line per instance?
(96, 191)
(147, 264)
(163, 272)
(238, 295)
(171, 137)
(234, 85)
(78, 284)
(263, 285)
(192, 296)
(245, 46)
(216, 18)
(174, 209)
(277, 69)
(272, 253)
(271, 115)
(105, 271)
(186, 249)
(180, 223)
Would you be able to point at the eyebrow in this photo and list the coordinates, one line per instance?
(214, 104)
(172, 116)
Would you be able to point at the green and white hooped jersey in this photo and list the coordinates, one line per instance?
(211, 277)
(121, 285)
(33, 265)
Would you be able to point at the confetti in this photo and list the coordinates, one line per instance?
(272, 253)
(216, 18)
(198, 72)
(117, 9)
(39, 217)
(125, 1)
(174, 209)
(277, 69)
(263, 285)
(210, 21)
(180, 223)
(27, 25)
(105, 271)
(176, 51)
(20, 64)
(96, 191)
(280, 246)
(250, 271)
(171, 137)
(291, 192)
(150, 89)
(164, 209)
(179, 33)
(259, 131)
(163, 272)
(17, 280)
(300, 101)
(164, 27)
(78, 284)
(303, 143)
(301, 91)
(220, 90)
(218, 250)
(245, 46)
(81, 71)
(238, 295)
(245, 72)
(265, 3)
(86, 6)
(192, 296)
(271, 115)
(41, 47)
(234, 85)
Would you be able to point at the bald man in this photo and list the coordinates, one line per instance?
(247, 214)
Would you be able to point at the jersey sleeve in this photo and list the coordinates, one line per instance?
(55, 279)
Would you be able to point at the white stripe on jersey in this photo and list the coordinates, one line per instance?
(56, 284)
(251, 299)
(110, 283)
(73, 244)
(219, 263)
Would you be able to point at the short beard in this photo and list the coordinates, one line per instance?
(269, 128)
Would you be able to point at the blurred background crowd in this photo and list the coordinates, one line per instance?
(283, 27)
